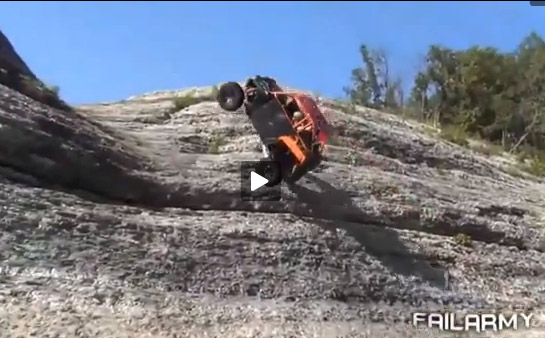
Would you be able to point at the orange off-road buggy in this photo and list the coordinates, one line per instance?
(290, 126)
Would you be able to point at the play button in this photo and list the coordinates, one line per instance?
(257, 181)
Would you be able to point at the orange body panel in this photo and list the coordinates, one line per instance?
(294, 147)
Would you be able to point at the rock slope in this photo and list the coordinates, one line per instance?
(124, 219)
(15, 74)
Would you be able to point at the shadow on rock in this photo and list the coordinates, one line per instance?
(336, 210)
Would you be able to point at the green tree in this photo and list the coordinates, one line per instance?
(372, 84)
(499, 96)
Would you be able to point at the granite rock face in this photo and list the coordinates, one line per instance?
(10, 58)
(15, 74)
(124, 219)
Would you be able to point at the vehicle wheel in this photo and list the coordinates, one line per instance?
(270, 170)
(295, 176)
(315, 163)
(301, 171)
(230, 96)
(286, 163)
(317, 158)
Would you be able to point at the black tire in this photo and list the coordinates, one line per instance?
(315, 162)
(270, 170)
(230, 96)
(301, 171)
(295, 176)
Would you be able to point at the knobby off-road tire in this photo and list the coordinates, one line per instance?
(307, 167)
(270, 170)
(230, 96)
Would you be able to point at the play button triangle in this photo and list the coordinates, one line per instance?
(257, 181)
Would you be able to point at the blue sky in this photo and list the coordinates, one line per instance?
(104, 51)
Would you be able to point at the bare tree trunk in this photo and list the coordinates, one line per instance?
(401, 99)
(527, 132)
(386, 75)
